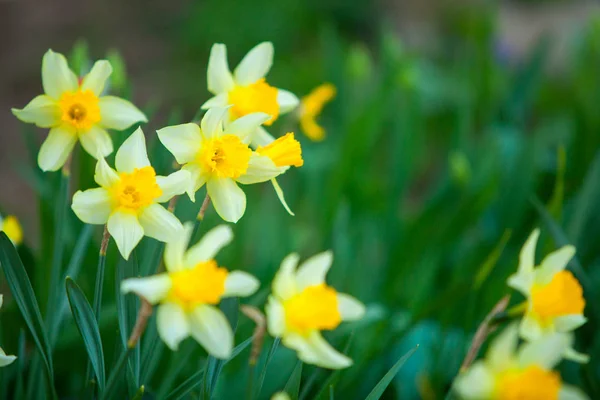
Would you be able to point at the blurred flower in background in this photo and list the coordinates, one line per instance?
(311, 106)
(11, 226)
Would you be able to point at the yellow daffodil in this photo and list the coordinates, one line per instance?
(76, 110)
(128, 198)
(11, 226)
(311, 106)
(554, 296)
(189, 292)
(302, 305)
(4, 359)
(510, 374)
(246, 90)
(222, 158)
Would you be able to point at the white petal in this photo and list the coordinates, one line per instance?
(220, 100)
(211, 329)
(476, 383)
(176, 183)
(530, 328)
(56, 148)
(219, 77)
(240, 283)
(160, 224)
(153, 288)
(92, 206)
(275, 317)
(243, 127)
(568, 392)
(522, 281)
(546, 352)
(575, 356)
(314, 349)
(42, 111)
(260, 169)
(197, 179)
(502, 351)
(97, 77)
(97, 142)
(567, 323)
(228, 199)
(132, 154)
(260, 137)
(210, 244)
(1, 296)
(126, 231)
(119, 114)
(183, 141)
(212, 122)
(173, 325)
(57, 78)
(313, 271)
(287, 101)
(281, 197)
(350, 308)
(284, 283)
(554, 263)
(4, 359)
(255, 65)
(105, 176)
(527, 255)
(176, 248)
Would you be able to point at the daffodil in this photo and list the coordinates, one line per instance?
(222, 158)
(4, 359)
(128, 198)
(302, 305)
(246, 90)
(189, 292)
(510, 374)
(555, 301)
(11, 226)
(76, 110)
(311, 106)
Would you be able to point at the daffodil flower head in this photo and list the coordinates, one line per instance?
(555, 301)
(246, 90)
(311, 106)
(302, 305)
(221, 157)
(11, 226)
(4, 359)
(75, 110)
(189, 292)
(508, 373)
(128, 198)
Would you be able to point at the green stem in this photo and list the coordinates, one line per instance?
(100, 273)
(200, 217)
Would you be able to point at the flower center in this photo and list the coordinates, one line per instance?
(256, 97)
(136, 190)
(316, 307)
(532, 383)
(562, 296)
(203, 284)
(225, 156)
(284, 151)
(80, 109)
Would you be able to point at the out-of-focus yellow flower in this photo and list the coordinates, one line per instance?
(555, 300)
(311, 106)
(222, 158)
(510, 374)
(4, 359)
(191, 289)
(246, 90)
(11, 226)
(302, 305)
(76, 110)
(128, 198)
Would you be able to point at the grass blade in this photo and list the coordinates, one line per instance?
(115, 375)
(292, 387)
(378, 390)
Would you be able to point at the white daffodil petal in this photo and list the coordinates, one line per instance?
(476, 383)
(212, 122)
(529, 328)
(228, 199)
(314, 349)
(350, 308)
(1, 296)
(502, 350)
(313, 271)
(275, 317)
(260, 169)
(153, 288)
(57, 78)
(197, 179)
(97, 77)
(568, 323)
(220, 100)
(260, 137)
(176, 248)
(173, 325)
(240, 283)
(219, 77)
(92, 206)
(126, 230)
(546, 352)
(243, 127)
(42, 111)
(119, 114)
(287, 101)
(96, 141)
(160, 224)
(575, 356)
(210, 244)
(211, 329)
(281, 197)
(132, 154)
(4, 359)
(284, 283)
(56, 148)
(522, 281)
(255, 65)
(568, 392)
(554, 263)
(173, 185)
(183, 141)
(527, 255)
(105, 176)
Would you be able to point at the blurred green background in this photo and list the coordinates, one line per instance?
(457, 130)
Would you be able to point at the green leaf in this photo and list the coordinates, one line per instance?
(491, 260)
(292, 387)
(378, 390)
(115, 374)
(263, 373)
(334, 378)
(85, 320)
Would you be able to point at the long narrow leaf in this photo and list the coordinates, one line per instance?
(292, 387)
(378, 390)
